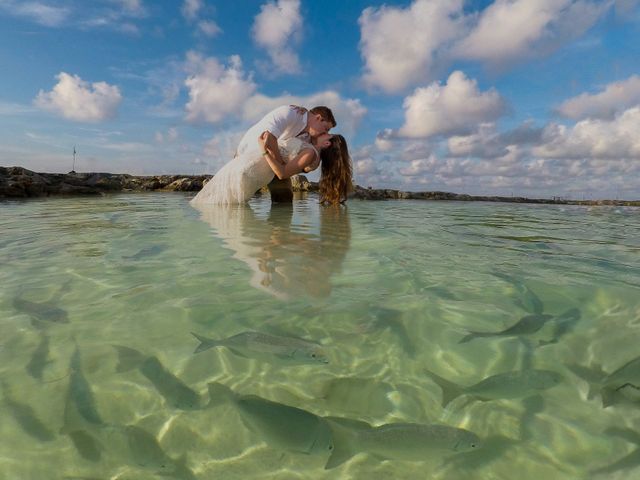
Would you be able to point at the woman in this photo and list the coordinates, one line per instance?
(240, 178)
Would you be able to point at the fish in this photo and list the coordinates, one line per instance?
(135, 446)
(39, 359)
(146, 452)
(528, 300)
(80, 394)
(86, 445)
(362, 396)
(280, 426)
(507, 385)
(615, 387)
(268, 347)
(631, 460)
(381, 318)
(26, 417)
(563, 324)
(525, 326)
(397, 441)
(147, 252)
(41, 313)
(493, 448)
(175, 392)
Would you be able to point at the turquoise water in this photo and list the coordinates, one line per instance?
(389, 289)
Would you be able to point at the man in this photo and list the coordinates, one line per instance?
(282, 123)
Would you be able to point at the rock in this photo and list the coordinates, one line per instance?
(299, 183)
(18, 182)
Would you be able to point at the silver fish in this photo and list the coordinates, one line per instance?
(366, 397)
(281, 426)
(528, 300)
(267, 347)
(563, 324)
(618, 386)
(39, 359)
(525, 326)
(175, 392)
(86, 445)
(40, 312)
(80, 394)
(381, 318)
(135, 446)
(26, 417)
(629, 461)
(399, 441)
(507, 385)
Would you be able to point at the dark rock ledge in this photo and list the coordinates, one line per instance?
(18, 182)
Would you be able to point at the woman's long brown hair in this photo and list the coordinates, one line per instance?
(335, 180)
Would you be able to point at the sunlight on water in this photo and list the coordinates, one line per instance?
(100, 297)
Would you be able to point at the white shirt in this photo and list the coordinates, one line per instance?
(283, 122)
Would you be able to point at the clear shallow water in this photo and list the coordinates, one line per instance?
(388, 288)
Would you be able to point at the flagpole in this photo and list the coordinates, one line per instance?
(73, 168)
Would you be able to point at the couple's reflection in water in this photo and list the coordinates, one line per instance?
(286, 259)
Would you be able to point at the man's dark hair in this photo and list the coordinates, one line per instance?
(325, 113)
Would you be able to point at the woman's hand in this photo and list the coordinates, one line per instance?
(262, 140)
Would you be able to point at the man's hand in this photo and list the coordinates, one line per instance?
(299, 110)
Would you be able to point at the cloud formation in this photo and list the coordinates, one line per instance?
(454, 108)
(612, 99)
(402, 46)
(277, 29)
(216, 91)
(510, 30)
(38, 12)
(192, 10)
(76, 99)
(594, 138)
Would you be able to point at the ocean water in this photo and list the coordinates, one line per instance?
(99, 297)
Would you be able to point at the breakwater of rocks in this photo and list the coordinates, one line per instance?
(19, 182)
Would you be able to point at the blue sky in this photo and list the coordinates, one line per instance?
(523, 97)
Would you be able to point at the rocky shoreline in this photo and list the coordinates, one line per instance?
(18, 182)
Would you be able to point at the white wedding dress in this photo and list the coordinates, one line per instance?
(238, 180)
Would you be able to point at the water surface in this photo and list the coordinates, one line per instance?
(387, 288)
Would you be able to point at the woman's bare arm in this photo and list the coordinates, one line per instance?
(269, 141)
(304, 159)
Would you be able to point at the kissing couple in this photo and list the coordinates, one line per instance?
(287, 141)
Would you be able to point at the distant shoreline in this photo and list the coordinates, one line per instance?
(19, 182)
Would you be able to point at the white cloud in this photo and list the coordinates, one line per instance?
(508, 30)
(277, 29)
(347, 112)
(594, 138)
(454, 108)
(76, 99)
(216, 91)
(191, 8)
(403, 46)
(132, 7)
(170, 136)
(209, 28)
(615, 97)
(420, 166)
(39, 12)
(385, 140)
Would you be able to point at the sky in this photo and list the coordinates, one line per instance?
(539, 98)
